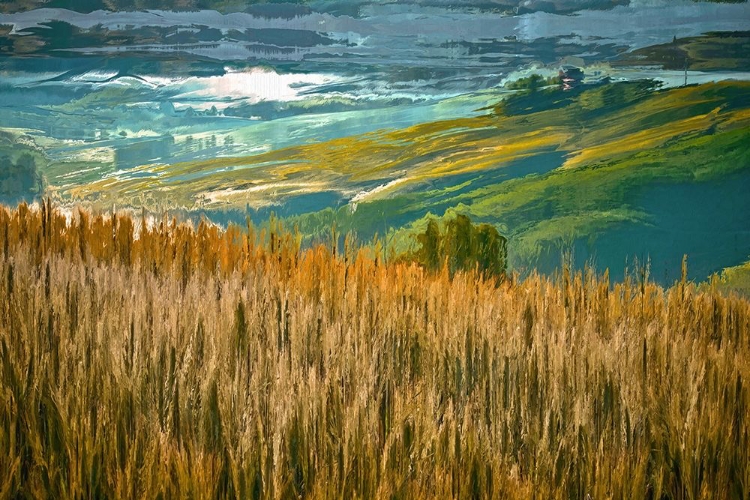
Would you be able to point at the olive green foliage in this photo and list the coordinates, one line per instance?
(736, 278)
(533, 83)
(463, 246)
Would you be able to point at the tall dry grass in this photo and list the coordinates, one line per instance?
(208, 364)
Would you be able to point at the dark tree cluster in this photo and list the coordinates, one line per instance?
(463, 246)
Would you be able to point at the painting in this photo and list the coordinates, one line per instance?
(375, 249)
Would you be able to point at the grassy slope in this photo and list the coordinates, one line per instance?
(617, 118)
(714, 51)
(608, 142)
(688, 135)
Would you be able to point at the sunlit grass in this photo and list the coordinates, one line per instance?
(196, 363)
(602, 124)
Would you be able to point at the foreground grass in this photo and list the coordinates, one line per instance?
(195, 363)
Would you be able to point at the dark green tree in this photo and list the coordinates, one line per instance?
(459, 243)
(463, 247)
(491, 251)
(429, 253)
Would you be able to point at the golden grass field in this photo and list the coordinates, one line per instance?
(198, 363)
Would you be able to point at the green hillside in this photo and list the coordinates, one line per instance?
(551, 169)
(717, 51)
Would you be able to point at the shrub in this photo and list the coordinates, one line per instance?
(463, 246)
